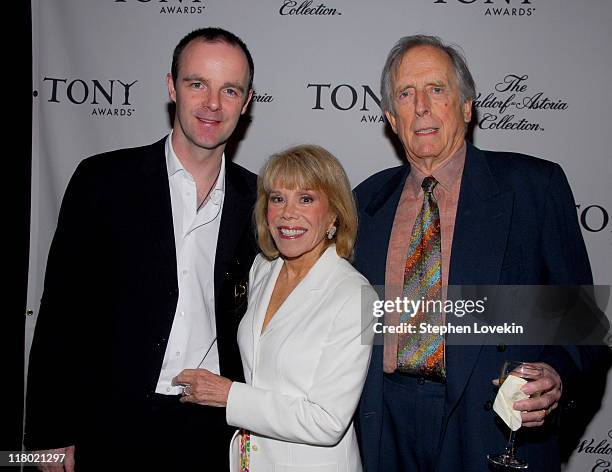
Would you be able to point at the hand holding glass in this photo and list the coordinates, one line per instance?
(508, 460)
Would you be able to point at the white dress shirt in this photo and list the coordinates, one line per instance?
(193, 339)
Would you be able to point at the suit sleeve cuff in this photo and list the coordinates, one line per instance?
(236, 404)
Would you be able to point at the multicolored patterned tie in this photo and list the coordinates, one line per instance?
(423, 353)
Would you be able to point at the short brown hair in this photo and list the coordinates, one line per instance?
(308, 166)
(211, 35)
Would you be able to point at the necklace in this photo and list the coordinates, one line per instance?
(209, 190)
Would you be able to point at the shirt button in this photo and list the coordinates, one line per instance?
(182, 313)
(254, 447)
(185, 272)
(168, 389)
(177, 353)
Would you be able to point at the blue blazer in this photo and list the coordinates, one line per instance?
(516, 224)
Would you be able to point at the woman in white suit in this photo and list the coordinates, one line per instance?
(306, 337)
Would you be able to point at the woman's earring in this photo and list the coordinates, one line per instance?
(331, 232)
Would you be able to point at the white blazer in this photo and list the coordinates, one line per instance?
(305, 374)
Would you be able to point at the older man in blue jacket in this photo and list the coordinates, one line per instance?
(479, 217)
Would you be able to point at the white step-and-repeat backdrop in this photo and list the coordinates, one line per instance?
(542, 69)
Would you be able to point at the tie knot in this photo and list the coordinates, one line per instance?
(428, 184)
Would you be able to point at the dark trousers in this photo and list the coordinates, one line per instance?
(169, 436)
(412, 422)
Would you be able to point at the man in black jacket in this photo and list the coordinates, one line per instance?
(147, 276)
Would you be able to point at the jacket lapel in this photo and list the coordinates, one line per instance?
(312, 282)
(480, 236)
(237, 209)
(157, 209)
(481, 229)
(375, 229)
(262, 301)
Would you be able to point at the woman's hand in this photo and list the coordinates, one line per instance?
(203, 387)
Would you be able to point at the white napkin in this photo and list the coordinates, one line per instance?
(510, 392)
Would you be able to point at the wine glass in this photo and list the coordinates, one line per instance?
(507, 460)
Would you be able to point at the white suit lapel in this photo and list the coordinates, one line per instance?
(314, 281)
(262, 302)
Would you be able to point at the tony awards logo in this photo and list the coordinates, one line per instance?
(111, 97)
(593, 218)
(518, 8)
(348, 98)
(180, 7)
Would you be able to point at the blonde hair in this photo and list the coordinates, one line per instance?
(308, 166)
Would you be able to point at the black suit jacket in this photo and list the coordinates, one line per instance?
(111, 292)
(516, 224)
